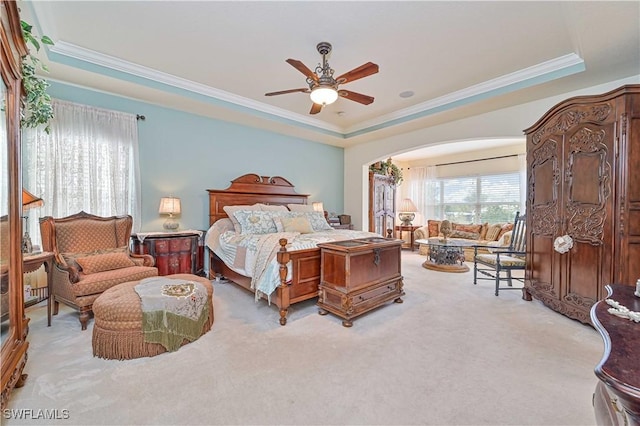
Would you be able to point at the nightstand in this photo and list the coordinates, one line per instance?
(174, 252)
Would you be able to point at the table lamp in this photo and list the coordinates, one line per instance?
(170, 206)
(29, 201)
(407, 211)
(319, 207)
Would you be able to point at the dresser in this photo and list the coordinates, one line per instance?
(359, 275)
(583, 200)
(616, 400)
(179, 252)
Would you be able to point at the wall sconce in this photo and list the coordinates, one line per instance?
(170, 206)
(29, 201)
(407, 211)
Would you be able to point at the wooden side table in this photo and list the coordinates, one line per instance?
(31, 262)
(410, 228)
(174, 252)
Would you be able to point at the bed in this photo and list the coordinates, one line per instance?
(292, 272)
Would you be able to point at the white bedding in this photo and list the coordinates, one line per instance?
(243, 252)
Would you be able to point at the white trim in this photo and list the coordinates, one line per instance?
(72, 51)
(498, 83)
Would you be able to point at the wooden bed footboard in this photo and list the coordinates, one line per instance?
(303, 285)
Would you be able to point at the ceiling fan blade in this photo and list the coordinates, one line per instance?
(315, 108)
(303, 69)
(357, 97)
(284, 92)
(357, 73)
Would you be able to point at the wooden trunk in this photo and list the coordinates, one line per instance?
(582, 163)
(358, 276)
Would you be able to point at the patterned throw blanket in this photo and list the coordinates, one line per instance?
(172, 310)
(266, 249)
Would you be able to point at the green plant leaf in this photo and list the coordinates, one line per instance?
(46, 40)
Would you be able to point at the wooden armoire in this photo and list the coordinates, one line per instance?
(583, 200)
(382, 204)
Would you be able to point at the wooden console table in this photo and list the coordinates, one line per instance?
(617, 397)
(358, 276)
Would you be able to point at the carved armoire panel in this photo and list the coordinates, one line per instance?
(582, 157)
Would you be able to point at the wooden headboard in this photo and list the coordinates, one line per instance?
(250, 189)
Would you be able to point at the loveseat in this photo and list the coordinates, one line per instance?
(91, 254)
(486, 234)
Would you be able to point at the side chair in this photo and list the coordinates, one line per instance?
(498, 265)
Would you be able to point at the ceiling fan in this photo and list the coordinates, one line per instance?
(323, 88)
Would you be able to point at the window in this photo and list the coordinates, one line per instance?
(476, 199)
(88, 162)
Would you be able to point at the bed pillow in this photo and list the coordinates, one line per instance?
(300, 207)
(296, 224)
(256, 221)
(229, 210)
(318, 221)
(104, 262)
(272, 207)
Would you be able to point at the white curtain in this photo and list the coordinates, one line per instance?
(415, 189)
(88, 162)
(522, 162)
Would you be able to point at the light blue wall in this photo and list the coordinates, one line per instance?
(185, 154)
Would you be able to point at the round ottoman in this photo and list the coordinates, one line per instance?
(117, 330)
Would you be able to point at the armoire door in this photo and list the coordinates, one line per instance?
(382, 201)
(576, 187)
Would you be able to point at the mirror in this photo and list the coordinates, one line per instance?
(4, 220)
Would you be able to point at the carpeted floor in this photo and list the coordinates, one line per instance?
(452, 353)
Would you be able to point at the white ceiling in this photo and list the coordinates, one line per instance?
(219, 58)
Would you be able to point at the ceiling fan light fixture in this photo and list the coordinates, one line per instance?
(324, 95)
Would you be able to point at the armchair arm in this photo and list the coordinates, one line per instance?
(421, 233)
(142, 259)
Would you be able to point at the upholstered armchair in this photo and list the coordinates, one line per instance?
(91, 255)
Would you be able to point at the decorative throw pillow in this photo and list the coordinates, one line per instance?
(296, 224)
(505, 228)
(230, 210)
(483, 231)
(256, 221)
(493, 231)
(104, 262)
(467, 227)
(465, 234)
(300, 207)
(434, 227)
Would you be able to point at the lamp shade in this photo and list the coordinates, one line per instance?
(169, 205)
(324, 95)
(318, 206)
(407, 206)
(30, 201)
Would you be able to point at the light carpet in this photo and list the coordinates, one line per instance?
(451, 354)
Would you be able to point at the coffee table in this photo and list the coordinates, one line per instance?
(444, 256)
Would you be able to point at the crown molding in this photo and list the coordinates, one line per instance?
(527, 77)
(536, 74)
(70, 50)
